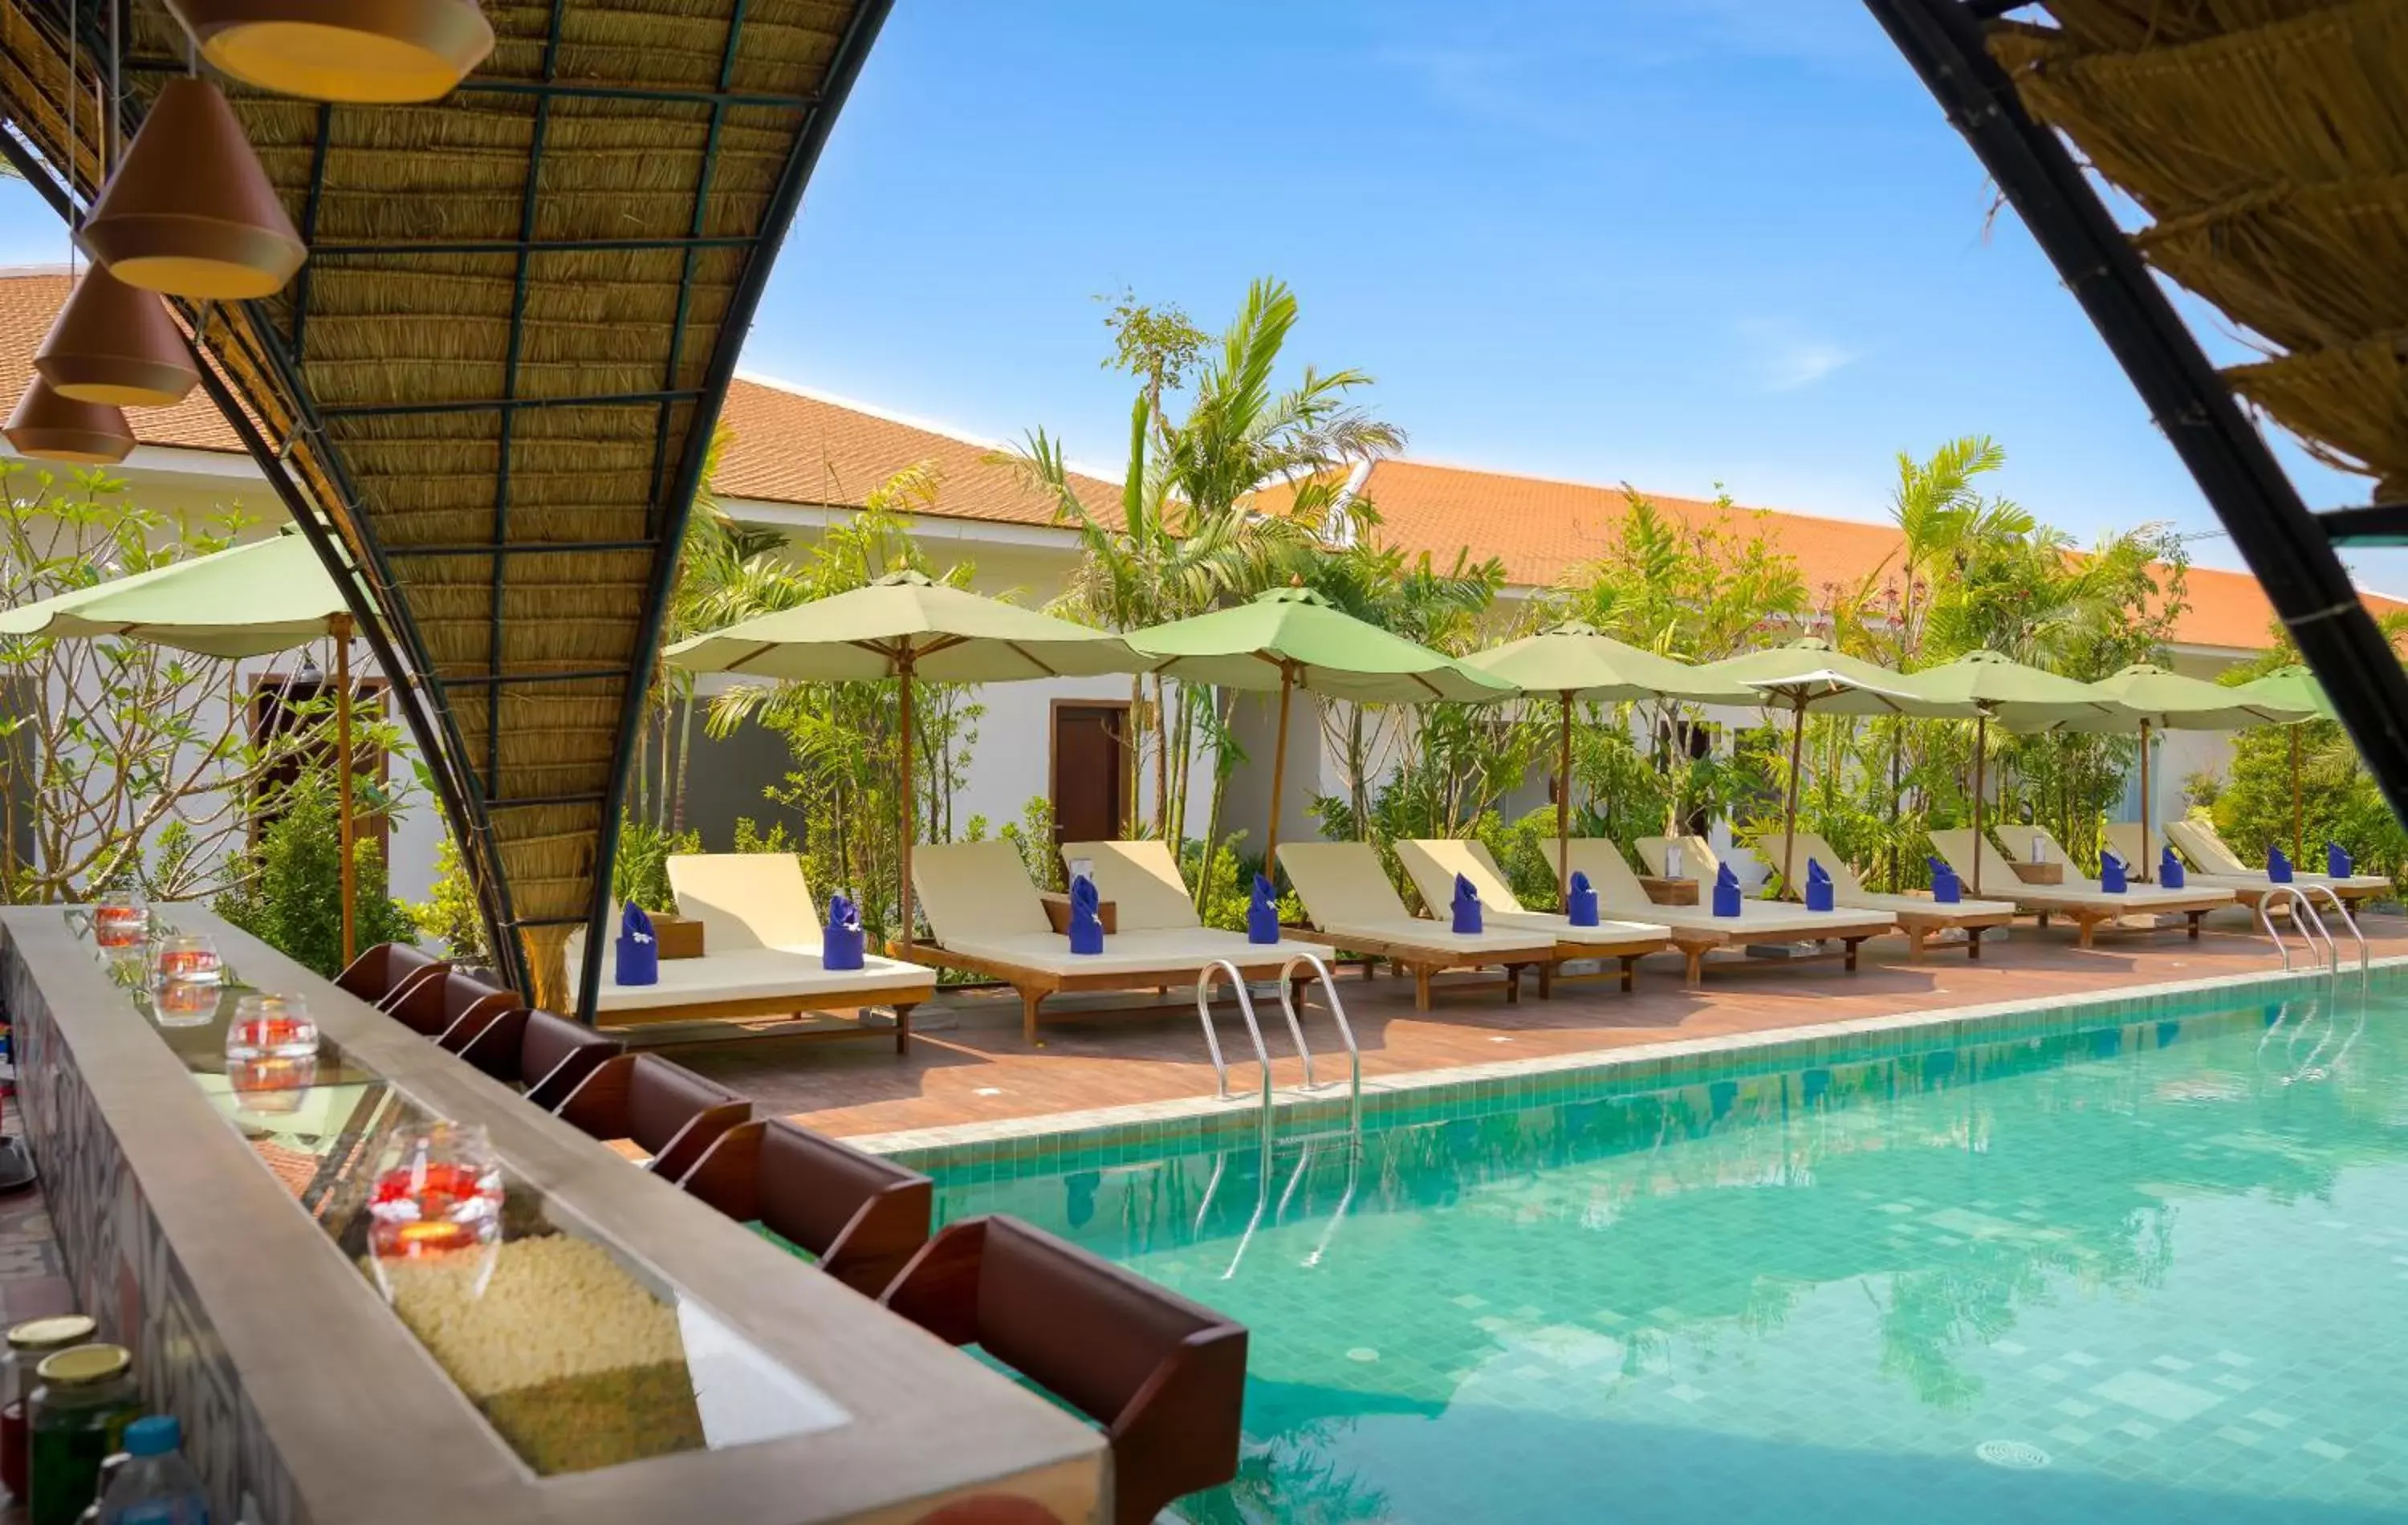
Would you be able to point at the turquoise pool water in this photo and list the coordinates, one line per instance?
(2149, 1272)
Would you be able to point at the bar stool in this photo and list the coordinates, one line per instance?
(450, 1007)
(384, 972)
(1165, 1378)
(664, 1114)
(861, 1216)
(543, 1055)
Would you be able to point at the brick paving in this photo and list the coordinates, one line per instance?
(969, 1065)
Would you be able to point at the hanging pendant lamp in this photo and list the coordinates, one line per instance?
(375, 51)
(49, 427)
(114, 343)
(189, 211)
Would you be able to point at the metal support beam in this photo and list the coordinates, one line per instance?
(548, 89)
(309, 227)
(522, 548)
(2285, 545)
(511, 679)
(508, 405)
(2377, 524)
(540, 800)
(675, 502)
(322, 251)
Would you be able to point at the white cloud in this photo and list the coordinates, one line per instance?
(1780, 356)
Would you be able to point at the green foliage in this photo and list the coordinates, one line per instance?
(1032, 836)
(451, 914)
(290, 902)
(641, 873)
(1225, 889)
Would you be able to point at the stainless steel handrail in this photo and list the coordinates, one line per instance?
(2365, 954)
(1337, 1015)
(2305, 917)
(1204, 983)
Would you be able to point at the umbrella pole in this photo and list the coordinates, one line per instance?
(1564, 814)
(340, 627)
(2299, 806)
(2141, 869)
(903, 850)
(1980, 760)
(1789, 827)
(1278, 776)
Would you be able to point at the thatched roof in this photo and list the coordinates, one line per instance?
(522, 306)
(2268, 140)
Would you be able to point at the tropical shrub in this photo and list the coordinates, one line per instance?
(451, 913)
(288, 901)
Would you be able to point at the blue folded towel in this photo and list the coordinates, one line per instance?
(1818, 886)
(2170, 873)
(1086, 916)
(2278, 867)
(2338, 862)
(1467, 906)
(1725, 892)
(841, 943)
(640, 954)
(1945, 888)
(2112, 873)
(1262, 912)
(1582, 912)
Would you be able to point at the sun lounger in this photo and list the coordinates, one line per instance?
(761, 955)
(985, 915)
(2079, 901)
(1699, 861)
(1697, 930)
(1433, 865)
(2212, 863)
(1348, 899)
(1919, 916)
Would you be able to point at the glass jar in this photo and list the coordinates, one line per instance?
(77, 1417)
(185, 976)
(120, 919)
(28, 1342)
(438, 1200)
(271, 1027)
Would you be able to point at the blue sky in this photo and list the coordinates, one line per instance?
(1675, 242)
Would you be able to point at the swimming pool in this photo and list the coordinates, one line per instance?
(2151, 1269)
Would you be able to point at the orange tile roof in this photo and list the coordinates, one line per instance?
(1542, 529)
(788, 446)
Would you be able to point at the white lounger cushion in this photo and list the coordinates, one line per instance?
(1849, 890)
(1141, 882)
(1129, 953)
(976, 890)
(1433, 865)
(1957, 846)
(1609, 874)
(750, 974)
(745, 901)
(1347, 894)
(2217, 864)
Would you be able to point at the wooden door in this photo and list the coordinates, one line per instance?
(1090, 771)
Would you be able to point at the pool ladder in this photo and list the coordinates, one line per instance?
(2312, 927)
(1269, 1142)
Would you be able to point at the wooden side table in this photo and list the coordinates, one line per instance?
(2039, 873)
(1057, 911)
(1665, 891)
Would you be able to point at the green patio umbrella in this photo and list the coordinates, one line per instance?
(1576, 662)
(2163, 701)
(247, 601)
(1810, 674)
(906, 626)
(1293, 638)
(2294, 687)
(2017, 696)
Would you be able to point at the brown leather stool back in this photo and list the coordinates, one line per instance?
(666, 1110)
(543, 1055)
(861, 1216)
(1166, 1377)
(381, 973)
(451, 1007)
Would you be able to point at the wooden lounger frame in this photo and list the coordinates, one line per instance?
(1920, 926)
(1695, 942)
(2087, 919)
(1423, 960)
(1034, 983)
(900, 998)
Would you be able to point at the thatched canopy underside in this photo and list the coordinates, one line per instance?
(2268, 142)
(438, 290)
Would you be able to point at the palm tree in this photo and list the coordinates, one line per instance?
(1198, 524)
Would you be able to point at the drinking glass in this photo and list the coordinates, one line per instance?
(271, 1027)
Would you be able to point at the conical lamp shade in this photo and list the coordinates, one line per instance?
(189, 212)
(378, 51)
(49, 427)
(115, 343)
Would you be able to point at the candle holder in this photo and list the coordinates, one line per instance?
(439, 1195)
(185, 979)
(120, 920)
(272, 1086)
(271, 1027)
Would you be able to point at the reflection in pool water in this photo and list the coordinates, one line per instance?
(2146, 1272)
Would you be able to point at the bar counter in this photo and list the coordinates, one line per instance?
(218, 1233)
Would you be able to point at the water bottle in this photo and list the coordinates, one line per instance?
(156, 1486)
